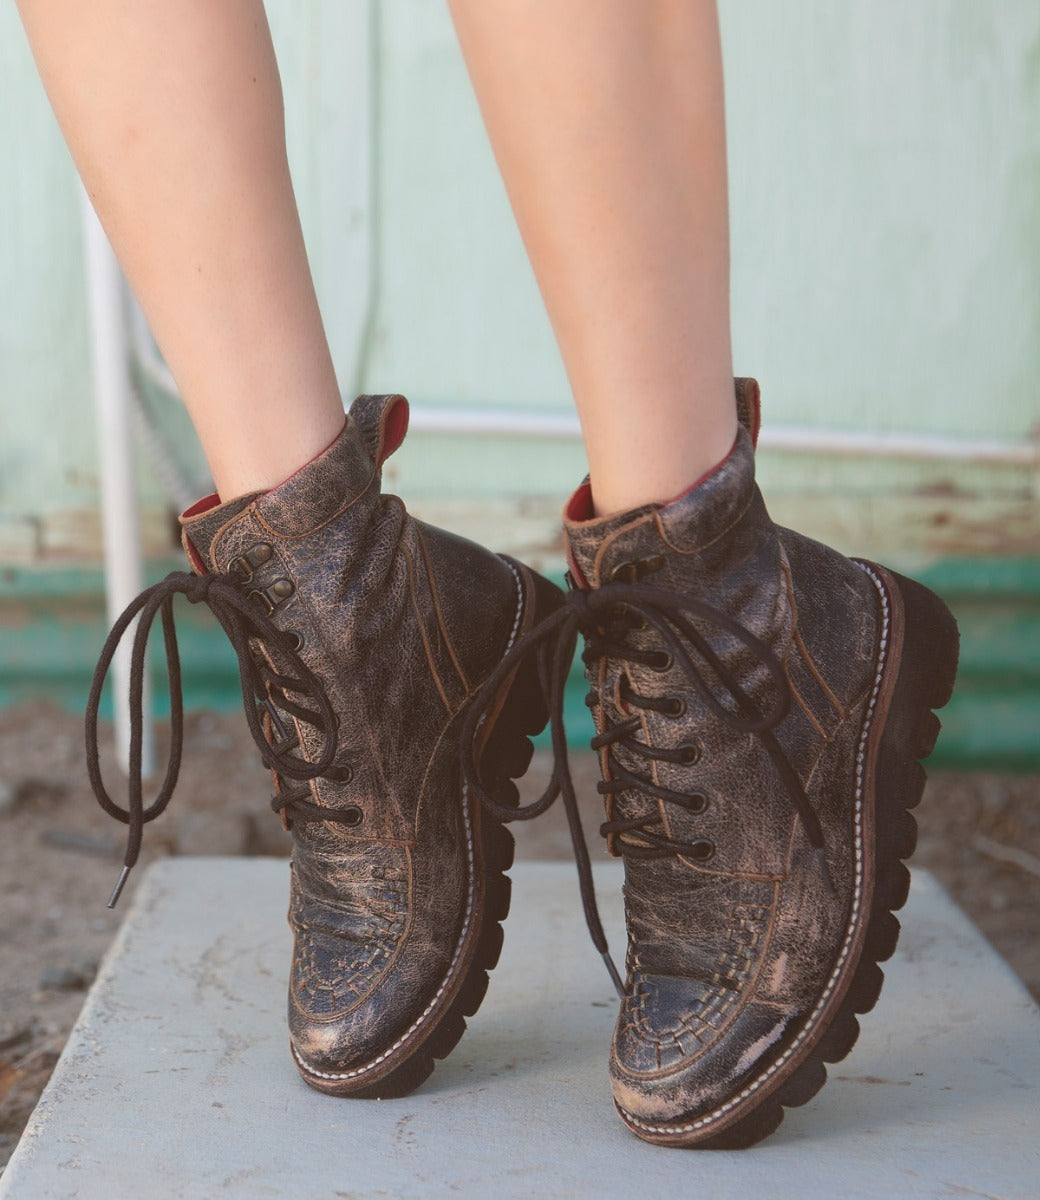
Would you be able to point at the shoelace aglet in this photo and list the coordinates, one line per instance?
(612, 971)
(117, 891)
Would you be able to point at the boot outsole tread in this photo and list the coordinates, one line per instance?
(925, 679)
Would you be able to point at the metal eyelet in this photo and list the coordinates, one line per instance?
(626, 572)
(697, 802)
(690, 753)
(676, 706)
(662, 661)
(340, 774)
(264, 599)
(274, 594)
(352, 816)
(634, 571)
(246, 564)
(702, 850)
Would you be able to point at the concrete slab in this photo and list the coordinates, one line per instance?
(176, 1082)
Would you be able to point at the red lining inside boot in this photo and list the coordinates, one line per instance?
(393, 428)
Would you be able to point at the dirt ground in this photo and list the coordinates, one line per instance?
(59, 856)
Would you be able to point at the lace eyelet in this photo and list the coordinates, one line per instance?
(626, 572)
(702, 850)
(676, 707)
(636, 570)
(697, 802)
(663, 661)
(690, 753)
(264, 599)
(274, 595)
(245, 565)
(343, 773)
(353, 816)
(296, 640)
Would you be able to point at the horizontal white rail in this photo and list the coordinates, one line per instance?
(795, 439)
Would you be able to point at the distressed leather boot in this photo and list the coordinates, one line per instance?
(761, 703)
(365, 632)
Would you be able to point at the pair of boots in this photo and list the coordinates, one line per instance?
(760, 702)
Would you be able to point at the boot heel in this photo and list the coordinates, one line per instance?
(926, 669)
(527, 706)
(525, 712)
(931, 642)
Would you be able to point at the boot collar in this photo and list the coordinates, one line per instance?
(201, 524)
(601, 549)
(330, 483)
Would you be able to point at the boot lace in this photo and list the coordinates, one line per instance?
(267, 694)
(607, 616)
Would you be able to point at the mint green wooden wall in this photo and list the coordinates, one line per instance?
(885, 197)
(885, 165)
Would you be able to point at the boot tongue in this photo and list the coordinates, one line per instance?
(625, 546)
(201, 523)
(714, 544)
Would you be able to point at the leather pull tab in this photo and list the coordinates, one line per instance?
(382, 422)
(749, 406)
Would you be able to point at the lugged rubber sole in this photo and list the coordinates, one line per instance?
(506, 756)
(918, 678)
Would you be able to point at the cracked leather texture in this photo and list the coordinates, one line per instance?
(727, 957)
(401, 622)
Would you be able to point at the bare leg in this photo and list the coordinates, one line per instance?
(173, 113)
(607, 122)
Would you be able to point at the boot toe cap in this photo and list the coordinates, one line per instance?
(695, 1053)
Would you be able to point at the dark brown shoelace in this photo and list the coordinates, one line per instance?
(242, 621)
(604, 616)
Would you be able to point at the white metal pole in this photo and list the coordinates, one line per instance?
(120, 516)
